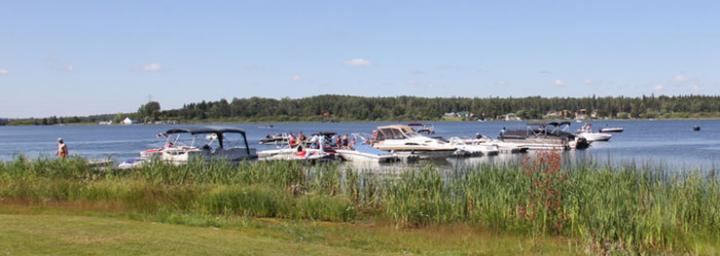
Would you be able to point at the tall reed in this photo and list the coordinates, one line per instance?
(628, 209)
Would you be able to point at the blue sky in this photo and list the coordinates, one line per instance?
(87, 57)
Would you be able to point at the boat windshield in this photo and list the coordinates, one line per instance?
(177, 140)
(234, 140)
(391, 134)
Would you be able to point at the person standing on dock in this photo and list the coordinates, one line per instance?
(62, 150)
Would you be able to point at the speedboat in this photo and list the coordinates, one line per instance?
(427, 129)
(317, 148)
(541, 135)
(297, 153)
(402, 138)
(356, 148)
(217, 144)
(470, 147)
(275, 139)
(587, 133)
(366, 153)
(611, 129)
(501, 146)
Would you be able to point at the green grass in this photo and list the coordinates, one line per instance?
(606, 209)
(69, 230)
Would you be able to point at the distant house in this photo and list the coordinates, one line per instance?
(127, 121)
(553, 115)
(512, 117)
(450, 115)
(581, 114)
(559, 114)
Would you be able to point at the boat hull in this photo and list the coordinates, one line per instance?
(357, 156)
(595, 136)
(611, 129)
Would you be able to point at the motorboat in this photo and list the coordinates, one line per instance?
(427, 129)
(611, 129)
(356, 148)
(502, 146)
(541, 135)
(366, 153)
(297, 153)
(402, 138)
(317, 148)
(471, 147)
(696, 128)
(281, 138)
(587, 133)
(217, 144)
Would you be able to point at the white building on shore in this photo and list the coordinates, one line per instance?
(127, 121)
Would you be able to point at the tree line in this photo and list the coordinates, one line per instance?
(357, 108)
(345, 108)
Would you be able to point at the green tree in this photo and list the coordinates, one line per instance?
(150, 111)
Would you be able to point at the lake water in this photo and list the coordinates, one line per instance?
(671, 143)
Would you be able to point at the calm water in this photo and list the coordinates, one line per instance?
(657, 142)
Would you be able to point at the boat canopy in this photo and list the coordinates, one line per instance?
(204, 130)
(218, 131)
(325, 133)
(404, 128)
(394, 132)
(549, 123)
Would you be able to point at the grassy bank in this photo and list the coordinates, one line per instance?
(61, 229)
(625, 210)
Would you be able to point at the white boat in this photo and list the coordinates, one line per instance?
(282, 138)
(366, 153)
(298, 153)
(316, 149)
(472, 147)
(611, 129)
(228, 144)
(587, 133)
(402, 138)
(502, 146)
(541, 135)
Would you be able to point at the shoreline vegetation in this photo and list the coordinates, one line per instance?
(341, 108)
(554, 207)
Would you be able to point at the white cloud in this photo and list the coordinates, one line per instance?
(4, 72)
(680, 78)
(357, 62)
(68, 68)
(152, 67)
(659, 87)
(296, 77)
(588, 82)
(695, 88)
(559, 83)
(501, 83)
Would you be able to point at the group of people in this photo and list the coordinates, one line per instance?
(321, 140)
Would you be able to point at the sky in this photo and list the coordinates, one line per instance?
(89, 57)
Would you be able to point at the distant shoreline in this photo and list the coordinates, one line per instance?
(273, 122)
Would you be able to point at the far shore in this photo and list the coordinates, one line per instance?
(269, 122)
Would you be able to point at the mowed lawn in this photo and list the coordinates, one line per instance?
(55, 232)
